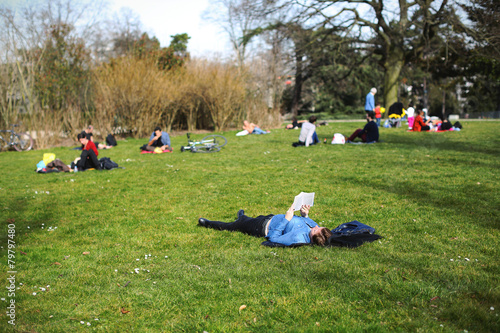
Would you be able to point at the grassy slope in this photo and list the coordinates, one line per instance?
(433, 196)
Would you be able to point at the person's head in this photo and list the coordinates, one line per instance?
(89, 129)
(420, 112)
(312, 119)
(319, 235)
(82, 138)
(157, 130)
(370, 115)
(373, 90)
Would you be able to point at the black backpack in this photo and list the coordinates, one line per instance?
(107, 164)
(110, 140)
(457, 125)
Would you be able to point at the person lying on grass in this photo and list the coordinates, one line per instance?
(286, 229)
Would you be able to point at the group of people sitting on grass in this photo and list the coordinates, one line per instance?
(88, 158)
(367, 134)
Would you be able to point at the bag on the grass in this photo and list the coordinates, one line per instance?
(111, 140)
(59, 165)
(457, 125)
(338, 139)
(107, 164)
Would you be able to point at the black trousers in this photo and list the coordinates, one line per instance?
(88, 160)
(254, 226)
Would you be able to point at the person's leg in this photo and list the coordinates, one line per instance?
(425, 128)
(92, 161)
(363, 137)
(150, 148)
(257, 130)
(83, 159)
(315, 138)
(354, 135)
(378, 122)
(253, 226)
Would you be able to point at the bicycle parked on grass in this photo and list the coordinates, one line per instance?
(20, 141)
(209, 144)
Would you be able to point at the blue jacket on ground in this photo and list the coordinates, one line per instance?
(370, 102)
(165, 139)
(290, 232)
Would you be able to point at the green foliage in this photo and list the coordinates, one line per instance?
(167, 58)
(432, 196)
(61, 69)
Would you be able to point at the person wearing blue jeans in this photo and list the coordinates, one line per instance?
(286, 229)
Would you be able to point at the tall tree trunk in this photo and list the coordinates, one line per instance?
(297, 91)
(392, 66)
(443, 108)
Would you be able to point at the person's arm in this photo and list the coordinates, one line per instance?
(304, 210)
(165, 139)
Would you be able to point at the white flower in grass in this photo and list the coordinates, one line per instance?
(98, 318)
(116, 270)
(82, 322)
(3, 299)
(492, 308)
(34, 294)
(88, 324)
(451, 259)
(42, 289)
(467, 259)
(137, 259)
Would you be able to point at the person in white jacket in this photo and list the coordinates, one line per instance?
(308, 134)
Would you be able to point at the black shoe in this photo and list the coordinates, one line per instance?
(202, 222)
(241, 212)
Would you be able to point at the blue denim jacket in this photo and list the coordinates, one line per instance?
(290, 232)
(165, 139)
(370, 102)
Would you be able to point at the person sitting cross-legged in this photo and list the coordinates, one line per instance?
(158, 139)
(88, 158)
(369, 133)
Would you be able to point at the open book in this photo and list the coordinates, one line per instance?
(303, 199)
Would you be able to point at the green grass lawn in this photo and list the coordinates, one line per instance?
(434, 197)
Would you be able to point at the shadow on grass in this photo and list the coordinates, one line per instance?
(477, 205)
(19, 207)
(439, 141)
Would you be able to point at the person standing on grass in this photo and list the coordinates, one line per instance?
(88, 158)
(286, 229)
(308, 134)
(369, 133)
(370, 100)
(158, 139)
(378, 114)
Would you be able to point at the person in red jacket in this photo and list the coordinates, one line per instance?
(88, 158)
(419, 124)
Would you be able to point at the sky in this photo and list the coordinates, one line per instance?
(163, 18)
